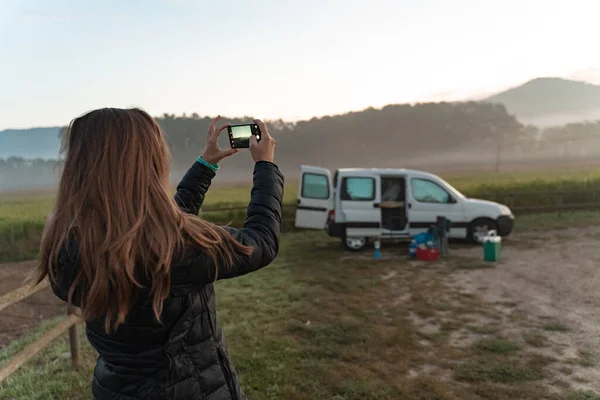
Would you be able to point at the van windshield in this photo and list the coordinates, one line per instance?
(452, 189)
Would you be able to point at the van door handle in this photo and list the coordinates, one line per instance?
(409, 205)
(375, 205)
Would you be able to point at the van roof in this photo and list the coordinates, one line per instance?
(383, 171)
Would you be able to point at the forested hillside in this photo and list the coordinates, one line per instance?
(429, 135)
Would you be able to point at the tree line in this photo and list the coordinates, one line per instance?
(380, 136)
(394, 135)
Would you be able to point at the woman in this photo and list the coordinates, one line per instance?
(141, 265)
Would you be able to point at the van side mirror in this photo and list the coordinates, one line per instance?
(451, 199)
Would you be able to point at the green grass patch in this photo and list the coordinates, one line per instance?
(552, 221)
(535, 339)
(484, 329)
(586, 359)
(50, 375)
(506, 372)
(583, 395)
(15, 346)
(498, 346)
(442, 306)
(566, 370)
(555, 327)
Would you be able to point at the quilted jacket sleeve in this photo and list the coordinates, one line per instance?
(193, 187)
(263, 222)
(260, 231)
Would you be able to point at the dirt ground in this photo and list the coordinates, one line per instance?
(543, 297)
(25, 314)
(543, 294)
(554, 277)
(545, 291)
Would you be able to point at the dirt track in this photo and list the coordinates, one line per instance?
(552, 276)
(22, 316)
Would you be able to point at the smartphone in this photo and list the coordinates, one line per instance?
(239, 135)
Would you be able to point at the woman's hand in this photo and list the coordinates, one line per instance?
(213, 154)
(265, 149)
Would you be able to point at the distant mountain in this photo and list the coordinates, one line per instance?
(551, 101)
(30, 143)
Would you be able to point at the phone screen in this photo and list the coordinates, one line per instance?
(239, 135)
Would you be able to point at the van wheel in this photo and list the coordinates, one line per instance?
(354, 243)
(479, 229)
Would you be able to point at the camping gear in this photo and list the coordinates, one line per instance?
(492, 246)
(428, 254)
(412, 250)
(425, 247)
(423, 237)
(420, 241)
(377, 245)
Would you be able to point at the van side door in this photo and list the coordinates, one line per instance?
(315, 197)
(429, 199)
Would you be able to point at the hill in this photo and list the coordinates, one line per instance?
(551, 101)
(30, 143)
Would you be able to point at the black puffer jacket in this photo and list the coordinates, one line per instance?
(185, 357)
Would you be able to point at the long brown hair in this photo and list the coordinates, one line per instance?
(115, 202)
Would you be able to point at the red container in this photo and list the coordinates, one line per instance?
(428, 254)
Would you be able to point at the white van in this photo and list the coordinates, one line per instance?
(361, 203)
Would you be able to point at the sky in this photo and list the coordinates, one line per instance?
(285, 59)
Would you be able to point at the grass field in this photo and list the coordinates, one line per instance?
(313, 326)
(22, 215)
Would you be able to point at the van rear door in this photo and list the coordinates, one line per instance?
(315, 197)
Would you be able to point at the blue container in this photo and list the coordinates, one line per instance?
(423, 238)
(413, 249)
(377, 245)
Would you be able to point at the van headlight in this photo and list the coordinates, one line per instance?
(505, 210)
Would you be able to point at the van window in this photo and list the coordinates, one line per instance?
(315, 186)
(427, 191)
(358, 189)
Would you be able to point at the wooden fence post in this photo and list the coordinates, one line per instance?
(74, 339)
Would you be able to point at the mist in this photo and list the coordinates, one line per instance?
(476, 156)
